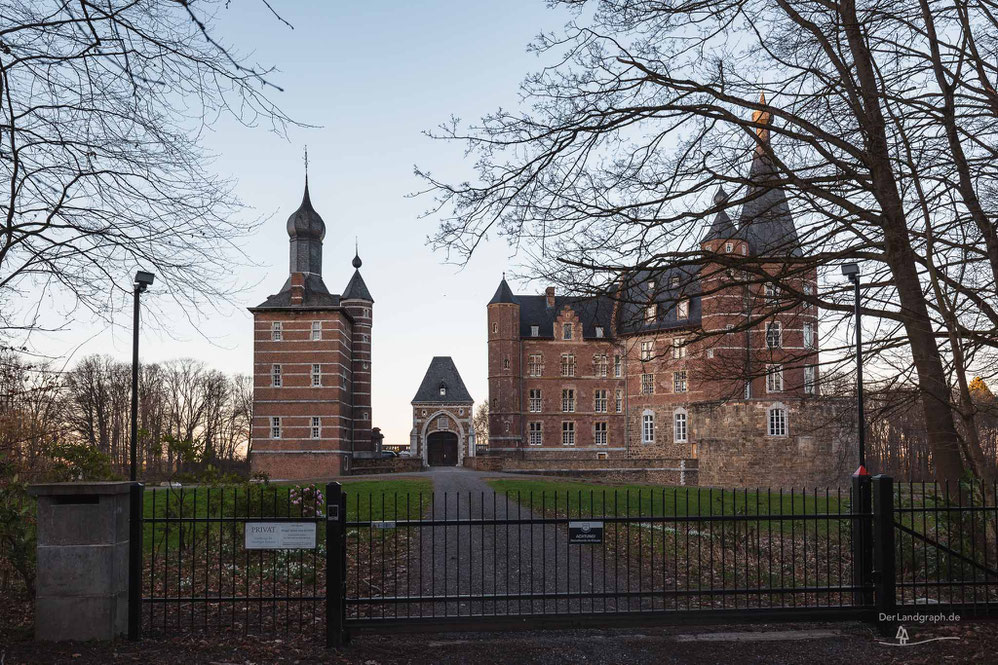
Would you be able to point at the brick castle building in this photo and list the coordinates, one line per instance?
(673, 362)
(312, 365)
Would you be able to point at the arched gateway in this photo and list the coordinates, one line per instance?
(442, 434)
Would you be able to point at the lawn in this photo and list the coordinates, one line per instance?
(584, 499)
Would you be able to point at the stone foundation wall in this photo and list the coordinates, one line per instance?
(668, 471)
(734, 450)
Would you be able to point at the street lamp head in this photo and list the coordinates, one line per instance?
(144, 280)
(851, 270)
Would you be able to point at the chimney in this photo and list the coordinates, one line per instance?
(297, 288)
(549, 294)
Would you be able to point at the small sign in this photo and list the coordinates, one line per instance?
(280, 535)
(585, 532)
(383, 525)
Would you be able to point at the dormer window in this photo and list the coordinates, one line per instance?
(651, 312)
(599, 331)
(651, 286)
(674, 283)
(535, 331)
(729, 247)
(566, 331)
(443, 390)
(683, 310)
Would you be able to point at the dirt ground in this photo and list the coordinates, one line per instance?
(810, 644)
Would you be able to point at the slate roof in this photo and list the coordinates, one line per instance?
(317, 296)
(670, 286)
(503, 294)
(593, 312)
(722, 228)
(442, 370)
(356, 288)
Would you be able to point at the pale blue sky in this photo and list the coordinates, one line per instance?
(373, 76)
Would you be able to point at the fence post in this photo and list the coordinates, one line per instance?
(336, 564)
(862, 541)
(883, 546)
(135, 514)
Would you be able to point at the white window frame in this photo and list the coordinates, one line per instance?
(276, 331)
(535, 434)
(316, 331)
(568, 364)
(316, 429)
(648, 426)
(774, 378)
(568, 400)
(600, 401)
(600, 433)
(535, 400)
(772, 293)
(647, 349)
(601, 365)
(808, 333)
(651, 313)
(276, 376)
(535, 364)
(647, 384)
(618, 399)
(810, 384)
(729, 247)
(680, 426)
(679, 381)
(774, 335)
(618, 366)
(599, 331)
(678, 347)
(535, 331)
(776, 421)
(567, 331)
(683, 309)
(316, 375)
(275, 427)
(568, 433)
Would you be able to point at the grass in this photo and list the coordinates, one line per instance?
(583, 498)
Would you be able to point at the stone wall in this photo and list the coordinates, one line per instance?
(666, 471)
(733, 448)
(387, 465)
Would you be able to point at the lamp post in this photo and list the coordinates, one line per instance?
(851, 270)
(143, 280)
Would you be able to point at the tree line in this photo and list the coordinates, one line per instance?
(77, 422)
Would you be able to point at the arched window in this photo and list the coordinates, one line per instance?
(648, 426)
(495, 327)
(680, 426)
(777, 420)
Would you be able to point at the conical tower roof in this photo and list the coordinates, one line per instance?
(722, 228)
(503, 294)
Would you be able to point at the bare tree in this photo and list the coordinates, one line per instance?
(480, 423)
(102, 105)
(878, 127)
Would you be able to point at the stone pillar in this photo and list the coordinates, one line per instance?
(82, 583)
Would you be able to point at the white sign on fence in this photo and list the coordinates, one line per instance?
(280, 535)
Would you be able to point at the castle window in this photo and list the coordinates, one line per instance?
(600, 364)
(365, 416)
(619, 401)
(774, 335)
(602, 455)
(316, 375)
(568, 364)
(566, 331)
(365, 338)
(777, 418)
(678, 347)
(808, 292)
(680, 426)
(808, 335)
(535, 364)
(316, 427)
(535, 434)
(366, 313)
(535, 400)
(495, 328)
(316, 330)
(647, 349)
(568, 434)
(748, 389)
(275, 427)
(679, 381)
(460, 412)
(772, 294)
(774, 378)
(505, 363)
(443, 390)
(728, 247)
(710, 353)
(568, 400)
(651, 286)
(535, 331)
(599, 331)
(647, 384)
(599, 434)
(276, 331)
(744, 250)
(600, 402)
(651, 313)
(648, 427)
(810, 385)
(275, 376)
(618, 366)
(683, 310)
(674, 283)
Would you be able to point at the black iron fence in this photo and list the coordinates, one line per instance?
(328, 561)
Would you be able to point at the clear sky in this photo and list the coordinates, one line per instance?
(372, 76)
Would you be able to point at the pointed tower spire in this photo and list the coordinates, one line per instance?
(357, 263)
(764, 118)
(722, 228)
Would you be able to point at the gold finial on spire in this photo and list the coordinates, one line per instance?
(762, 118)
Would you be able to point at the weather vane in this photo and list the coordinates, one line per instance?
(306, 161)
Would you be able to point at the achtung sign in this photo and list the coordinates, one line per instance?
(280, 535)
(585, 532)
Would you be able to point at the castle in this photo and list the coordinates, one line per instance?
(312, 365)
(682, 363)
